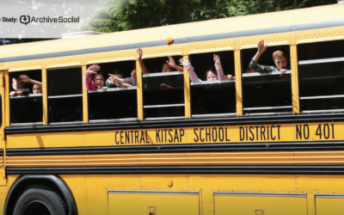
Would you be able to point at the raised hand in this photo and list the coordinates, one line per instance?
(14, 83)
(139, 54)
(262, 47)
(25, 78)
(171, 62)
(92, 69)
(216, 58)
(184, 62)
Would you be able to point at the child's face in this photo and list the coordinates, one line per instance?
(99, 81)
(36, 89)
(166, 68)
(281, 62)
(20, 82)
(211, 76)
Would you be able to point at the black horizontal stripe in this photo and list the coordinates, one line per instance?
(328, 170)
(244, 120)
(230, 147)
(1, 152)
(274, 30)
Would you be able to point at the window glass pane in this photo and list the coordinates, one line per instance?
(271, 91)
(65, 95)
(64, 81)
(165, 89)
(321, 74)
(26, 97)
(320, 50)
(210, 97)
(115, 102)
(65, 109)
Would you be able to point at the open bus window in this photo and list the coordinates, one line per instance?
(117, 102)
(26, 104)
(163, 92)
(321, 76)
(268, 92)
(65, 95)
(215, 98)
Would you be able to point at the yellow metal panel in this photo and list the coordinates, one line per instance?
(294, 79)
(187, 92)
(84, 96)
(238, 83)
(270, 44)
(63, 65)
(246, 205)
(45, 96)
(77, 184)
(25, 69)
(200, 51)
(71, 139)
(161, 55)
(110, 60)
(310, 204)
(166, 204)
(329, 206)
(139, 92)
(7, 100)
(323, 39)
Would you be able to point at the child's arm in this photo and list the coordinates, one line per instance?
(26, 79)
(173, 64)
(190, 69)
(142, 64)
(219, 68)
(125, 82)
(254, 62)
(89, 83)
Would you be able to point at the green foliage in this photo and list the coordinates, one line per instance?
(119, 15)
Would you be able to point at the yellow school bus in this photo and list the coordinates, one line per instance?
(267, 143)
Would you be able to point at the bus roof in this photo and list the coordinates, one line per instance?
(266, 23)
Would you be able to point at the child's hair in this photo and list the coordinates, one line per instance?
(98, 73)
(208, 71)
(278, 54)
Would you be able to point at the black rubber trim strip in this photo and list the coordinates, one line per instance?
(20, 182)
(1, 152)
(245, 120)
(179, 170)
(230, 147)
(301, 27)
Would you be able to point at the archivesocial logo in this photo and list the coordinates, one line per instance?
(26, 19)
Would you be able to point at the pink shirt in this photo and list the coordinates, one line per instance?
(193, 75)
(90, 85)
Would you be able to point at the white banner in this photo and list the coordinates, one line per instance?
(45, 18)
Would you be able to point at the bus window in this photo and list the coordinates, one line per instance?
(65, 95)
(163, 92)
(116, 103)
(215, 98)
(266, 93)
(26, 104)
(321, 76)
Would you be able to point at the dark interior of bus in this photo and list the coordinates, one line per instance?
(114, 104)
(212, 98)
(163, 90)
(319, 78)
(62, 83)
(26, 109)
(265, 90)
